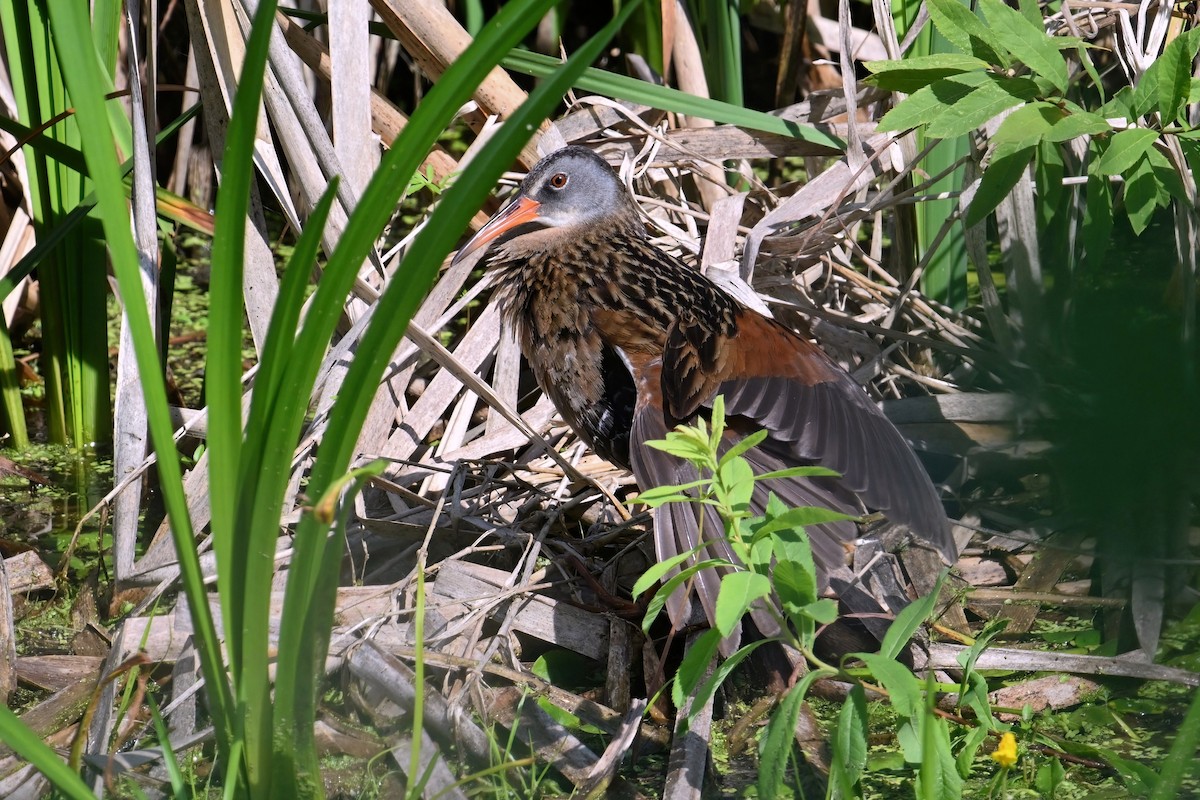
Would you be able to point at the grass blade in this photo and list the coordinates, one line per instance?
(87, 90)
(245, 560)
(668, 99)
(312, 579)
(12, 411)
(30, 746)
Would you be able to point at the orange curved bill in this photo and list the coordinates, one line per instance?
(518, 212)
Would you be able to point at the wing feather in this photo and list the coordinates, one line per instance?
(816, 414)
(677, 525)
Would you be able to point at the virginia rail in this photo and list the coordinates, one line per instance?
(628, 342)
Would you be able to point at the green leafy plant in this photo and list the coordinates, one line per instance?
(775, 573)
(510, 777)
(771, 548)
(1006, 62)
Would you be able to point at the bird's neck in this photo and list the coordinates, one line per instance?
(620, 284)
(562, 267)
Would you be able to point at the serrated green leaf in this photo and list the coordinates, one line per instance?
(954, 106)
(909, 739)
(661, 495)
(967, 658)
(739, 591)
(566, 718)
(775, 747)
(850, 744)
(717, 416)
(1141, 194)
(792, 544)
(761, 555)
(902, 686)
(908, 620)
(968, 749)
(708, 688)
(925, 106)
(1168, 178)
(796, 586)
(747, 442)
(1007, 166)
(656, 571)
(823, 611)
(683, 443)
(937, 777)
(912, 74)
(795, 573)
(1175, 74)
(1044, 86)
(1077, 123)
(658, 600)
(1145, 93)
(1165, 84)
(1028, 42)
(775, 506)
(1119, 106)
(976, 698)
(1125, 149)
(964, 30)
(1027, 125)
(736, 482)
(960, 62)
(656, 496)
(800, 517)
(1191, 153)
(1081, 53)
(993, 96)
(694, 667)
(1065, 43)
(800, 472)
(1049, 776)
(1032, 12)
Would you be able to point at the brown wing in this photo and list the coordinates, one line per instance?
(680, 528)
(814, 413)
(677, 526)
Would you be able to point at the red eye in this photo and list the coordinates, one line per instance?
(558, 180)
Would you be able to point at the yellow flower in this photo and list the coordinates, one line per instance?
(1005, 753)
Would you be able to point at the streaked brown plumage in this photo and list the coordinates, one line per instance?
(628, 341)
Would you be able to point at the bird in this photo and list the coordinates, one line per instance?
(628, 342)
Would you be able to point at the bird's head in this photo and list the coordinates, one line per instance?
(566, 192)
